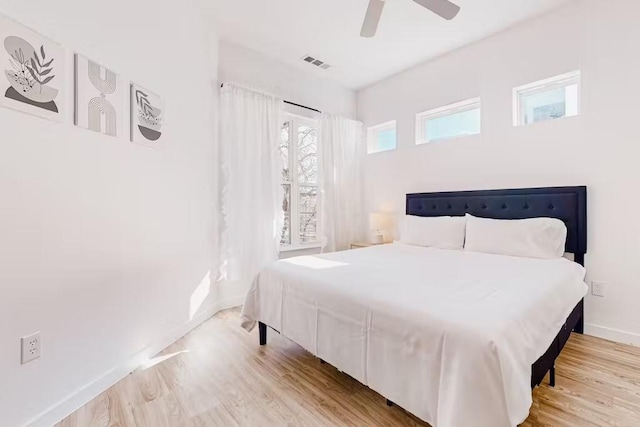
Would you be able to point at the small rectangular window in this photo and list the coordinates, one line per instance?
(547, 99)
(381, 137)
(451, 121)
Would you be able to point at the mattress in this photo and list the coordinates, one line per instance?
(448, 335)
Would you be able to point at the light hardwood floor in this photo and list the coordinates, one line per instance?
(218, 375)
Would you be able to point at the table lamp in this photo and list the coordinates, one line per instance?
(378, 222)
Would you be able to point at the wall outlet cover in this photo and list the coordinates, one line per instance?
(31, 347)
(597, 288)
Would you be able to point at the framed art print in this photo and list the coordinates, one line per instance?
(146, 116)
(33, 68)
(98, 98)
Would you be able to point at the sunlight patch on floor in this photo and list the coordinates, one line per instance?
(159, 359)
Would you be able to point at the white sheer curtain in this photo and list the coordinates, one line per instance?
(341, 152)
(251, 194)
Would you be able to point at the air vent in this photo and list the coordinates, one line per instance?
(318, 63)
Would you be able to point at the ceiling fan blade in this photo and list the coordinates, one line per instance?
(444, 8)
(372, 18)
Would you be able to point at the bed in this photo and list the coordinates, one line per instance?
(458, 338)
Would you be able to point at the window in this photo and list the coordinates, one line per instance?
(299, 155)
(450, 121)
(548, 99)
(381, 137)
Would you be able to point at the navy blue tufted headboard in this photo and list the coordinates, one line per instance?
(568, 204)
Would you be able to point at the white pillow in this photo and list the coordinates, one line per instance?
(444, 232)
(531, 238)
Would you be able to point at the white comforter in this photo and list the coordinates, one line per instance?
(448, 335)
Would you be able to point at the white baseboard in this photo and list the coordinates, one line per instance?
(76, 400)
(612, 334)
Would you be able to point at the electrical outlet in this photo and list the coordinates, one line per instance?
(31, 346)
(597, 288)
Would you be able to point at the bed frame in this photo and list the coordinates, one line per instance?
(568, 204)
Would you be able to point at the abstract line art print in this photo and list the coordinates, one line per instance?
(146, 116)
(98, 105)
(34, 71)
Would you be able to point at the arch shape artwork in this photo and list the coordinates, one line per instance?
(99, 103)
(99, 109)
(106, 85)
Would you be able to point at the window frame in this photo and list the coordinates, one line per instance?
(295, 121)
(447, 110)
(372, 136)
(541, 86)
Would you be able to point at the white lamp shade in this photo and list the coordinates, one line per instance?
(380, 221)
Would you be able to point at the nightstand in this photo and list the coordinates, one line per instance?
(357, 245)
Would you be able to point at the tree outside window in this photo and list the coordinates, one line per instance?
(299, 155)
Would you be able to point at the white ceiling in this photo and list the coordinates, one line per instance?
(330, 31)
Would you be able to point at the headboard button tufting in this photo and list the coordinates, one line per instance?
(565, 203)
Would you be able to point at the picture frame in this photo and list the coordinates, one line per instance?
(146, 116)
(34, 72)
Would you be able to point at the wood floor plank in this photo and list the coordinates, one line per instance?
(218, 375)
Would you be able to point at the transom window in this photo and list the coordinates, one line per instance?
(451, 121)
(548, 99)
(381, 137)
(299, 154)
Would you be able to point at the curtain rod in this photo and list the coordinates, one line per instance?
(294, 104)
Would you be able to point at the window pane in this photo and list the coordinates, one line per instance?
(548, 99)
(381, 137)
(285, 235)
(457, 124)
(308, 214)
(551, 104)
(284, 152)
(307, 154)
(386, 139)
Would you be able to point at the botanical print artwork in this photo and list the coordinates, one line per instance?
(33, 69)
(146, 116)
(30, 76)
(98, 104)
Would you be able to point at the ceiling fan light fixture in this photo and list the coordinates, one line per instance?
(372, 18)
(442, 8)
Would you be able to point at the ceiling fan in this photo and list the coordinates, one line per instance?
(444, 8)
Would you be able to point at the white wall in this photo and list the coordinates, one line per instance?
(103, 242)
(599, 149)
(253, 69)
